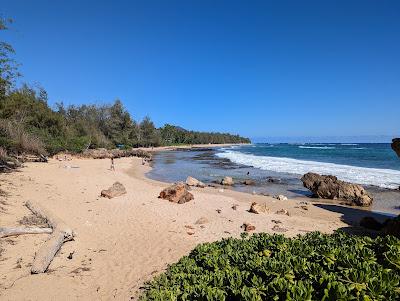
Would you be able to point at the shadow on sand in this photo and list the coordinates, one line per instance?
(352, 217)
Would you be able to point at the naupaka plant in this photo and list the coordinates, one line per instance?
(271, 267)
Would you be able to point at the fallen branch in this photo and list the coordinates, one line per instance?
(61, 234)
(4, 232)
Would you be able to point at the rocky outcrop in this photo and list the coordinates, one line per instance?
(117, 189)
(102, 153)
(396, 146)
(194, 182)
(176, 193)
(258, 208)
(329, 187)
(228, 181)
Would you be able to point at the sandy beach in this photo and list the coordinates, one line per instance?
(122, 242)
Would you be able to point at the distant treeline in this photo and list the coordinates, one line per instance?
(28, 124)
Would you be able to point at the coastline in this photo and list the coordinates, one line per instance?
(123, 242)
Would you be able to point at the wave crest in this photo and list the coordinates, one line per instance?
(385, 178)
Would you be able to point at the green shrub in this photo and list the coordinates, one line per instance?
(271, 267)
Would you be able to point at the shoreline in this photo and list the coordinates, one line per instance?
(125, 241)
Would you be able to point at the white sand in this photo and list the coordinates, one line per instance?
(122, 242)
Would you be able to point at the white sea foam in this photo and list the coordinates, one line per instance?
(317, 147)
(349, 144)
(386, 178)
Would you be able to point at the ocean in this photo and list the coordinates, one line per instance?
(277, 168)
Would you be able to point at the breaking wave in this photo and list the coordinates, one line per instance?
(385, 178)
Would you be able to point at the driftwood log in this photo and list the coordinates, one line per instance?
(9, 231)
(61, 233)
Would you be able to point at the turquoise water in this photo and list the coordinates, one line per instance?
(277, 168)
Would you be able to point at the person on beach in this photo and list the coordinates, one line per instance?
(112, 164)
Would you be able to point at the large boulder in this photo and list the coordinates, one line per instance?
(228, 181)
(117, 189)
(194, 182)
(396, 146)
(329, 187)
(176, 193)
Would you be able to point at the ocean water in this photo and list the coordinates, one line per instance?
(277, 168)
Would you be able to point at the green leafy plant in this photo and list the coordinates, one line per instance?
(271, 267)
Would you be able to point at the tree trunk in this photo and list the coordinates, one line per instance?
(61, 233)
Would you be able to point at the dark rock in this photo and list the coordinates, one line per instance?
(329, 187)
(117, 189)
(396, 146)
(176, 193)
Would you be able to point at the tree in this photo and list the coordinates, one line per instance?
(8, 66)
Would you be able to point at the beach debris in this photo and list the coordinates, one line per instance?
(235, 206)
(275, 221)
(70, 255)
(281, 197)
(304, 207)
(194, 182)
(282, 212)
(227, 232)
(117, 189)
(278, 228)
(189, 227)
(190, 232)
(369, 222)
(61, 234)
(396, 145)
(176, 193)
(227, 181)
(329, 187)
(258, 208)
(248, 227)
(202, 220)
(15, 231)
(249, 182)
(218, 211)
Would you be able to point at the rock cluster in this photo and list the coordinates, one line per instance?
(176, 193)
(329, 187)
(117, 189)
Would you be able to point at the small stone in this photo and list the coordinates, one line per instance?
(282, 212)
(277, 228)
(201, 221)
(234, 206)
(248, 227)
(257, 208)
(281, 197)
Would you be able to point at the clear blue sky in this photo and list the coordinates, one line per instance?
(257, 68)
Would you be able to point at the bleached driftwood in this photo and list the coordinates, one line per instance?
(61, 233)
(9, 231)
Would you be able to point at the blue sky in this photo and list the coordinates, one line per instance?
(257, 68)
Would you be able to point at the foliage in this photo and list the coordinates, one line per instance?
(271, 267)
(28, 124)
